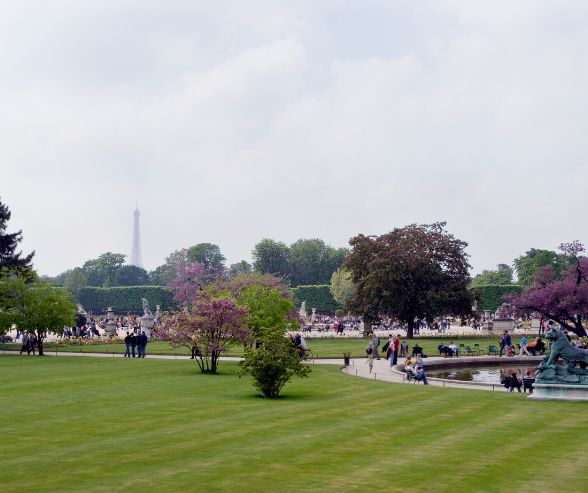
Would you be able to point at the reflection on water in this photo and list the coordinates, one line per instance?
(480, 374)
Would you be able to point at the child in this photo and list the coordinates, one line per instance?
(370, 362)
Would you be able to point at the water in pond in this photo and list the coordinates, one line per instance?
(480, 374)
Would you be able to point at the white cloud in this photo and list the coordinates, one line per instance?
(233, 122)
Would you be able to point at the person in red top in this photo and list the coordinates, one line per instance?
(396, 348)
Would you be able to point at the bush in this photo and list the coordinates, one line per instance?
(318, 297)
(126, 299)
(490, 297)
(273, 364)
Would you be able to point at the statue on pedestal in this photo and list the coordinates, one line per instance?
(575, 359)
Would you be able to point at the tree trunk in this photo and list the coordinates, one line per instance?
(367, 328)
(410, 329)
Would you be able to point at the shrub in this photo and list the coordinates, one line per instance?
(318, 297)
(273, 364)
(490, 297)
(125, 299)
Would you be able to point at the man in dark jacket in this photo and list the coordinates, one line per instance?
(128, 345)
(142, 344)
(134, 342)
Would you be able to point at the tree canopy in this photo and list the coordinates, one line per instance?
(9, 258)
(102, 271)
(419, 271)
(533, 260)
(207, 254)
(35, 306)
(561, 297)
(501, 276)
(271, 257)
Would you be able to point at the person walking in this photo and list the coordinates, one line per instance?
(128, 345)
(32, 342)
(375, 345)
(524, 347)
(142, 344)
(25, 343)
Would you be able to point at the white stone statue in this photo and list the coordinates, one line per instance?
(146, 311)
(302, 311)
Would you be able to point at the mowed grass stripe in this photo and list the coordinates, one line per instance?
(116, 425)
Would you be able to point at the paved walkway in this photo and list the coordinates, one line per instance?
(358, 367)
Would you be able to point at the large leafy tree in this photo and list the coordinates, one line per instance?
(561, 297)
(207, 254)
(501, 276)
(419, 271)
(238, 268)
(9, 257)
(533, 260)
(35, 306)
(131, 275)
(271, 257)
(268, 301)
(312, 261)
(166, 273)
(208, 325)
(102, 271)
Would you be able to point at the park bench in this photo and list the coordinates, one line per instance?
(528, 384)
(511, 383)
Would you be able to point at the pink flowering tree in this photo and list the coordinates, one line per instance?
(188, 283)
(562, 298)
(207, 327)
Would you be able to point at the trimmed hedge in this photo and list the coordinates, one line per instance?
(490, 297)
(126, 299)
(318, 297)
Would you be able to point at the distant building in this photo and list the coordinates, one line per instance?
(136, 258)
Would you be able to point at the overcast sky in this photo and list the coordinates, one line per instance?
(229, 122)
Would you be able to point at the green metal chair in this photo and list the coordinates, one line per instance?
(477, 349)
(468, 351)
(492, 350)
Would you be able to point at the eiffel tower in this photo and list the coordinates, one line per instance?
(136, 258)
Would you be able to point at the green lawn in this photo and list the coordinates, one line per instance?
(107, 425)
(321, 348)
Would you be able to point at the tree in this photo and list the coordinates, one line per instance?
(35, 306)
(273, 363)
(242, 267)
(131, 275)
(561, 297)
(342, 288)
(207, 254)
(75, 281)
(188, 284)
(271, 257)
(501, 276)
(209, 325)
(166, 273)
(9, 258)
(313, 261)
(268, 302)
(419, 271)
(102, 271)
(534, 259)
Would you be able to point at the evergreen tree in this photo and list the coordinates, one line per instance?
(9, 257)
